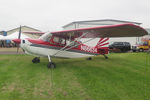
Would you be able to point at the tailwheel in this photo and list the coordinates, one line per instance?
(51, 65)
(89, 58)
(106, 57)
(36, 60)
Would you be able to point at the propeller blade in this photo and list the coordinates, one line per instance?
(19, 32)
(17, 41)
(19, 36)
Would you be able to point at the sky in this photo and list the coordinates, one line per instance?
(51, 15)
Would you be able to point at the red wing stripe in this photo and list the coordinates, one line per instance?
(104, 40)
(103, 44)
(100, 40)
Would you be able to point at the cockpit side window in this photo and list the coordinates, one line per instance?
(48, 39)
(59, 40)
(56, 39)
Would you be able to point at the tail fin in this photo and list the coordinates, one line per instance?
(103, 42)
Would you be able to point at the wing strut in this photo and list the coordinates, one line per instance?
(79, 44)
(74, 46)
(62, 49)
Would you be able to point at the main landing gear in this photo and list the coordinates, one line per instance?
(50, 64)
(36, 60)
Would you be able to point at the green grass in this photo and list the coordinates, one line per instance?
(124, 76)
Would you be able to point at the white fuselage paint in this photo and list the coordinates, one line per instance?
(39, 51)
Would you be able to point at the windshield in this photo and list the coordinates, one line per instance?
(46, 37)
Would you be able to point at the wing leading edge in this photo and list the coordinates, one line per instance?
(120, 30)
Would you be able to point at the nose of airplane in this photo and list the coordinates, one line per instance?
(17, 41)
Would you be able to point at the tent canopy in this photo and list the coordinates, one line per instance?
(13, 36)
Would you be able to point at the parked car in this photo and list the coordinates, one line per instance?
(120, 46)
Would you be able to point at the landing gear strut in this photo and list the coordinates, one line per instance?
(36, 60)
(50, 64)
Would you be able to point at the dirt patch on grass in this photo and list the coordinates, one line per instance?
(10, 51)
(12, 87)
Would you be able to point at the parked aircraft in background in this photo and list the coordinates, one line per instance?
(67, 43)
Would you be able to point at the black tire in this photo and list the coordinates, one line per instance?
(106, 57)
(141, 50)
(33, 61)
(36, 60)
(89, 58)
(51, 65)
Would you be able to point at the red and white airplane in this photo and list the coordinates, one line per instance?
(67, 43)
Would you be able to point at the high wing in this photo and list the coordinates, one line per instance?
(120, 30)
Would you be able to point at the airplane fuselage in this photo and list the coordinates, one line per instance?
(41, 48)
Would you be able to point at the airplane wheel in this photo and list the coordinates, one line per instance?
(89, 58)
(51, 65)
(36, 60)
(105, 56)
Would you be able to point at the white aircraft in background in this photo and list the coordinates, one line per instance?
(67, 43)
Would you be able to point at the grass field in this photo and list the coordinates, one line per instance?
(121, 77)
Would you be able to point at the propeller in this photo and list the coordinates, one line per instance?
(19, 32)
(19, 38)
(18, 41)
